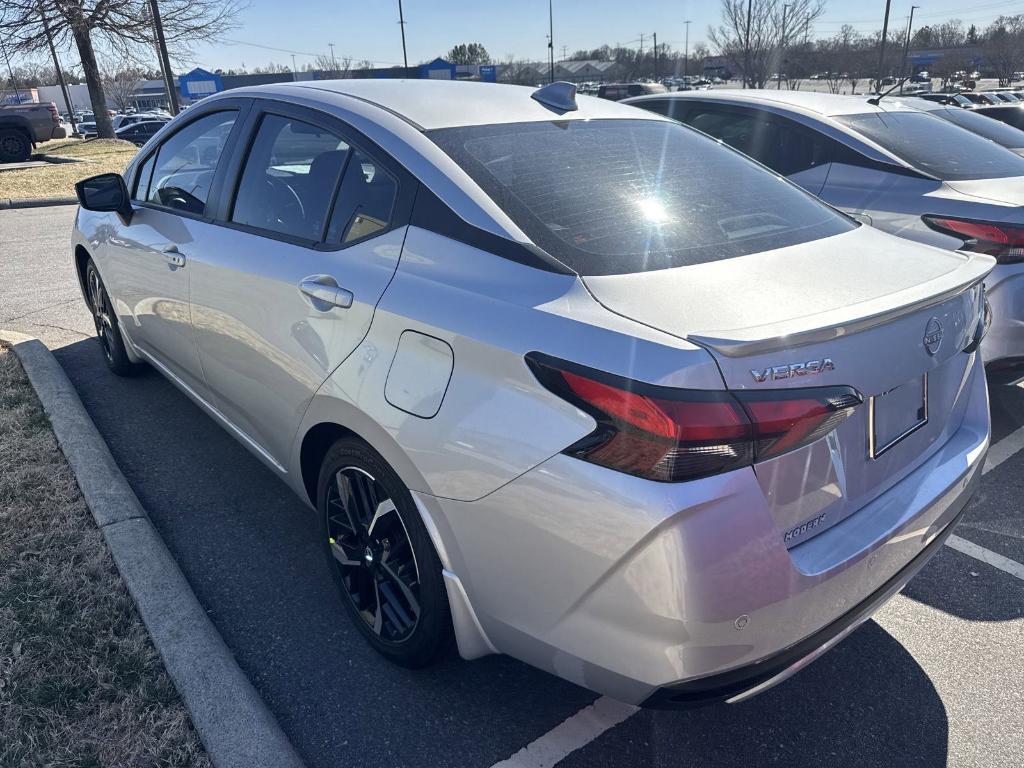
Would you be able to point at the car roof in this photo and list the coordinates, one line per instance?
(825, 104)
(430, 104)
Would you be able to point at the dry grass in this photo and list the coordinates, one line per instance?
(58, 179)
(81, 684)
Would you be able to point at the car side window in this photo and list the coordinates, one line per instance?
(290, 177)
(365, 203)
(142, 178)
(783, 145)
(187, 161)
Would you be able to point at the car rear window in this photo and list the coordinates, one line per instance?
(1000, 133)
(935, 146)
(622, 196)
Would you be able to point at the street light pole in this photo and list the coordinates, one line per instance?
(10, 71)
(655, 56)
(551, 39)
(906, 45)
(401, 24)
(165, 60)
(782, 48)
(60, 73)
(881, 48)
(686, 57)
(746, 49)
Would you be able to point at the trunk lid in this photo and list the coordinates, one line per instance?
(862, 309)
(1009, 191)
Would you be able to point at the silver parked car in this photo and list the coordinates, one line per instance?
(1001, 133)
(888, 165)
(562, 379)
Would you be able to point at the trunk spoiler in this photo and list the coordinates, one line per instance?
(843, 321)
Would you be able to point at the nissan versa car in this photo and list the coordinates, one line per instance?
(562, 379)
(887, 164)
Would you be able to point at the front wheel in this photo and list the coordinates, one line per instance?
(107, 331)
(381, 556)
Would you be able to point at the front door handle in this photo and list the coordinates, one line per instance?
(173, 256)
(326, 296)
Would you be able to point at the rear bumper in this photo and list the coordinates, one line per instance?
(739, 684)
(626, 586)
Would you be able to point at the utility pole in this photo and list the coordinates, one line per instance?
(165, 60)
(334, 61)
(401, 25)
(655, 55)
(641, 46)
(565, 52)
(551, 39)
(746, 49)
(906, 45)
(782, 49)
(686, 56)
(10, 71)
(881, 48)
(60, 73)
(295, 72)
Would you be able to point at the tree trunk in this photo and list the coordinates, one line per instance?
(104, 127)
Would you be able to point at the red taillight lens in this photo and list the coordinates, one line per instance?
(1004, 241)
(673, 435)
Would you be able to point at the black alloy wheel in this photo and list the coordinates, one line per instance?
(381, 556)
(374, 555)
(107, 331)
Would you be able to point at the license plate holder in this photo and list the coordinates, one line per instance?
(896, 414)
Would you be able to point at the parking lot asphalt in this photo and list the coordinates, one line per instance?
(935, 679)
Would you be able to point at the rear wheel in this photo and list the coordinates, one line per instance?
(15, 146)
(107, 331)
(381, 556)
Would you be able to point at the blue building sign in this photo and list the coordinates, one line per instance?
(488, 73)
(199, 83)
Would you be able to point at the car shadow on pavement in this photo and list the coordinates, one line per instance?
(866, 702)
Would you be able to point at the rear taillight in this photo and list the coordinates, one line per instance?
(671, 435)
(54, 114)
(1004, 241)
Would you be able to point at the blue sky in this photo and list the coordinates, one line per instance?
(369, 29)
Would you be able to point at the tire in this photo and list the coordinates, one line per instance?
(108, 332)
(15, 146)
(392, 590)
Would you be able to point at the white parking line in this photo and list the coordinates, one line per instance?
(572, 734)
(1003, 450)
(994, 559)
(590, 722)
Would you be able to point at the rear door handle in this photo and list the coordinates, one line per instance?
(326, 296)
(173, 256)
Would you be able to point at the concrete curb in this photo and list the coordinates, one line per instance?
(41, 202)
(234, 723)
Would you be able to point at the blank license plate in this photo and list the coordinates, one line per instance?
(896, 414)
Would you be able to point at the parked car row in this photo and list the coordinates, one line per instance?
(570, 380)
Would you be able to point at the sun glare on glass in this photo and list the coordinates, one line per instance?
(653, 210)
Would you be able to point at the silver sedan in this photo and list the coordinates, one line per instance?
(561, 379)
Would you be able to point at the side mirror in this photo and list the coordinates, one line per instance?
(106, 192)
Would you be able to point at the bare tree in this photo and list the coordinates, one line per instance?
(121, 26)
(333, 67)
(121, 79)
(1004, 46)
(753, 34)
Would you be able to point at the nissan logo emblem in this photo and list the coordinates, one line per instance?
(933, 336)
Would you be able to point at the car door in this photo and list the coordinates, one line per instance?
(286, 287)
(145, 262)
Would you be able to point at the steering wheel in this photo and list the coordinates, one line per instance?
(287, 208)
